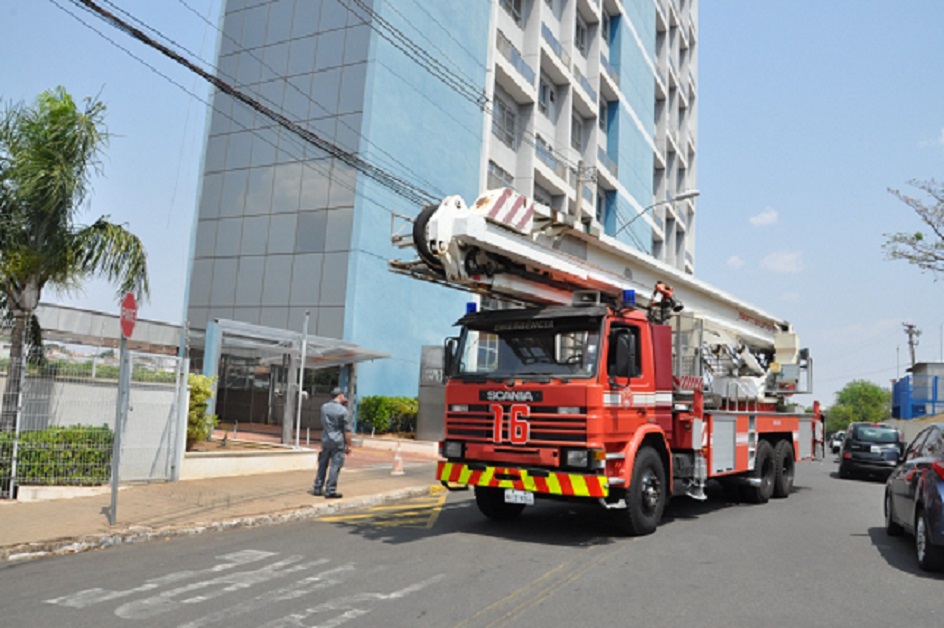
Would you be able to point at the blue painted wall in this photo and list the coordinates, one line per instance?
(626, 136)
(412, 118)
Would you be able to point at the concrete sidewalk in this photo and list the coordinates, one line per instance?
(146, 511)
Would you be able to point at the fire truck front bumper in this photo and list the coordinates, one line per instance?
(540, 481)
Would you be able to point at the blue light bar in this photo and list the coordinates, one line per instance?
(629, 298)
(471, 307)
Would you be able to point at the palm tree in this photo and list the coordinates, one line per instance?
(48, 152)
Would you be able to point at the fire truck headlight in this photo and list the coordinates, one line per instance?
(452, 449)
(578, 458)
(585, 458)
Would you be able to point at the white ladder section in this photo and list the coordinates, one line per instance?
(509, 246)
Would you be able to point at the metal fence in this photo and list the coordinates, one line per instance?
(60, 430)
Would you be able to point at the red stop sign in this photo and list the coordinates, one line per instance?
(129, 314)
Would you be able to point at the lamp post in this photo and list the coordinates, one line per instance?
(687, 194)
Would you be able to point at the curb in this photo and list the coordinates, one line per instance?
(139, 534)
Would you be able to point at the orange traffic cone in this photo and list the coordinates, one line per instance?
(397, 462)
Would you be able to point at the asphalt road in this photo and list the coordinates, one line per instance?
(819, 558)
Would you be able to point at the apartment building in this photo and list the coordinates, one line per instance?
(595, 113)
(588, 105)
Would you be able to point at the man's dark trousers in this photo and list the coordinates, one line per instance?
(333, 457)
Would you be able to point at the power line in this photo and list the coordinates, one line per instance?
(401, 187)
(417, 53)
(296, 142)
(290, 84)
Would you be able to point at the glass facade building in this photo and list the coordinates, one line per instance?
(587, 105)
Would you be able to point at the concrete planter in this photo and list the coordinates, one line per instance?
(201, 465)
(26, 493)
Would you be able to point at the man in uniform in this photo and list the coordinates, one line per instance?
(335, 442)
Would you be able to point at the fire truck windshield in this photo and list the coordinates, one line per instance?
(529, 351)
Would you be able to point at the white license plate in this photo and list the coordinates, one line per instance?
(876, 449)
(513, 496)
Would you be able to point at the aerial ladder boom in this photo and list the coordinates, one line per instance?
(510, 247)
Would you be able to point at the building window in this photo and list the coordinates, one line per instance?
(580, 36)
(602, 115)
(513, 8)
(546, 95)
(576, 132)
(498, 177)
(605, 27)
(504, 120)
(542, 196)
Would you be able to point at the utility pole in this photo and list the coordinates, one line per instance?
(913, 332)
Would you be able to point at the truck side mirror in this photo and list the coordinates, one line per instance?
(450, 346)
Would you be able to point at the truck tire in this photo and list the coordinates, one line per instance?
(784, 470)
(491, 502)
(930, 557)
(646, 495)
(765, 472)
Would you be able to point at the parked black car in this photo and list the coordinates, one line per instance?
(914, 495)
(870, 449)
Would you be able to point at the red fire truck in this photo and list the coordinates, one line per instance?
(593, 389)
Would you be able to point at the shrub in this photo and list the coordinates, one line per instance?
(78, 455)
(388, 414)
(199, 424)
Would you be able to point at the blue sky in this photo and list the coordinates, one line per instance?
(808, 112)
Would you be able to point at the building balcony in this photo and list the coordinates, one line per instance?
(609, 80)
(658, 158)
(661, 91)
(513, 73)
(554, 166)
(662, 20)
(585, 100)
(607, 172)
(558, 56)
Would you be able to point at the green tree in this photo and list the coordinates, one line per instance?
(859, 400)
(48, 153)
(924, 249)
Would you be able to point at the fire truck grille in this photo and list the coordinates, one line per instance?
(547, 426)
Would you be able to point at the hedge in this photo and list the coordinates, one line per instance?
(388, 414)
(78, 455)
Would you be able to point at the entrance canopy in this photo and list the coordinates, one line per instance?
(270, 345)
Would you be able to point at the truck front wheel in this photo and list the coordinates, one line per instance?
(646, 495)
(491, 501)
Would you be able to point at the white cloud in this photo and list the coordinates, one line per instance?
(790, 297)
(767, 217)
(735, 262)
(784, 262)
(937, 141)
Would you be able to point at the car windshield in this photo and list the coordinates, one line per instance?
(875, 433)
(560, 350)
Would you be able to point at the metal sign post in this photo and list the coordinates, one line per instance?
(129, 314)
(301, 380)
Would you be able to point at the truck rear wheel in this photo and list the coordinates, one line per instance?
(491, 501)
(646, 495)
(765, 472)
(784, 468)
